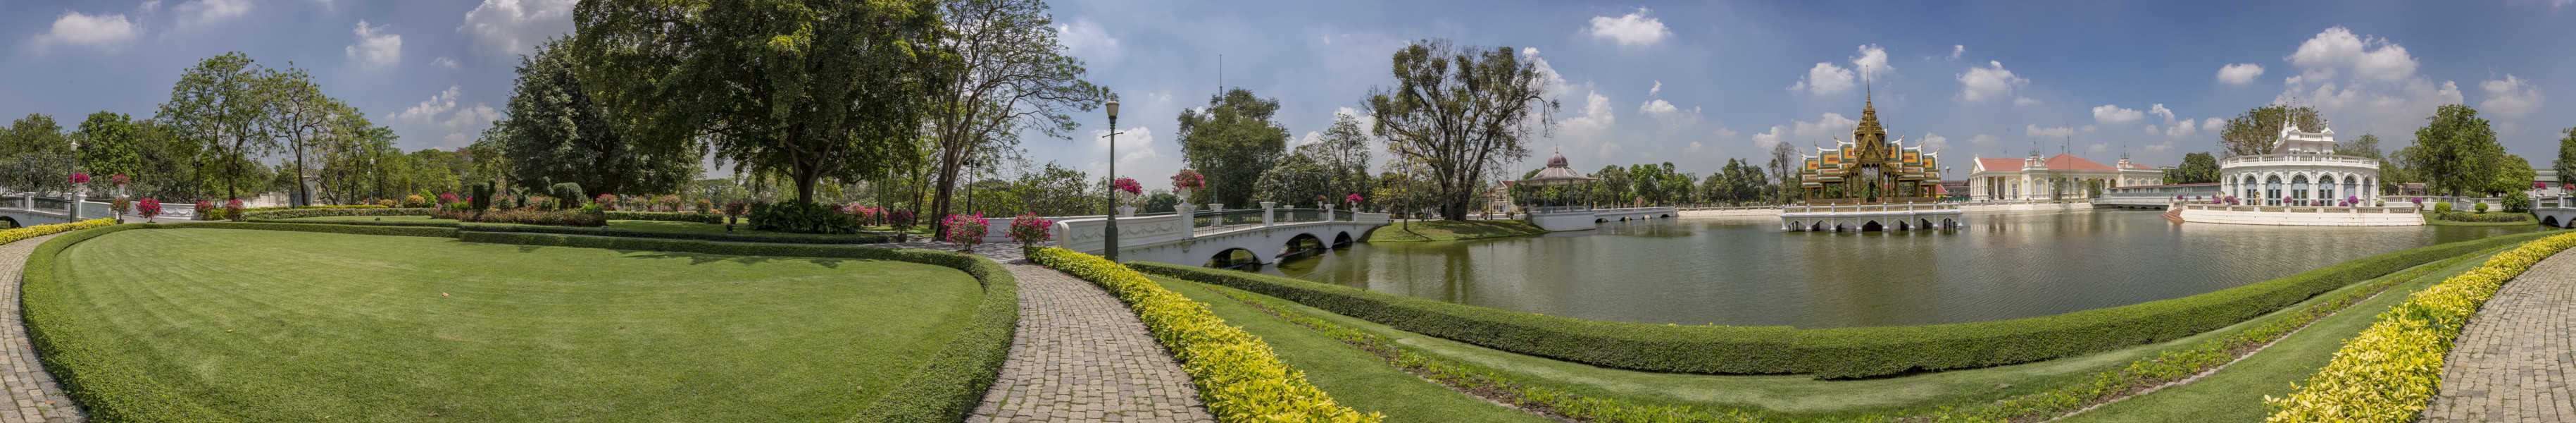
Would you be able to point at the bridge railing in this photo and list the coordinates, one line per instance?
(1213, 221)
(55, 204)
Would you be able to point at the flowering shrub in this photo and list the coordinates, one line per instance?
(150, 207)
(733, 208)
(1128, 187)
(901, 220)
(415, 201)
(706, 206)
(119, 180)
(1353, 199)
(232, 209)
(2389, 371)
(1029, 229)
(967, 229)
(80, 178)
(120, 205)
(387, 203)
(446, 198)
(205, 211)
(605, 201)
(1236, 373)
(671, 201)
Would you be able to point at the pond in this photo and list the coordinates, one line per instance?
(1744, 271)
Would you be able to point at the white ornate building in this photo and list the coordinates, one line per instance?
(2063, 177)
(2301, 169)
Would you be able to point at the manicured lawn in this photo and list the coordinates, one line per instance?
(250, 325)
(1788, 397)
(2235, 393)
(331, 219)
(1447, 230)
(1354, 378)
(623, 225)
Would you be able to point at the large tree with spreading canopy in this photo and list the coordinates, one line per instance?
(1460, 113)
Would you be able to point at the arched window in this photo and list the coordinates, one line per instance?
(2299, 187)
(2351, 186)
(2272, 189)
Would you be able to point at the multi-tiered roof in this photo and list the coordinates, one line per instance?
(1870, 159)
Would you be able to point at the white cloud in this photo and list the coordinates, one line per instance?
(443, 62)
(1983, 141)
(1991, 81)
(1956, 50)
(375, 48)
(1934, 142)
(2116, 114)
(107, 31)
(1136, 156)
(2025, 101)
(1822, 131)
(201, 12)
(2160, 110)
(1634, 29)
(442, 112)
(149, 6)
(1087, 40)
(2510, 97)
(1658, 89)
(1657, 107)
(2212, 124)
(514, 27)
(2338, 49)
(2240, 73)
(2035, 131)
(1826, 78)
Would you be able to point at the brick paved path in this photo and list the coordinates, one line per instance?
(33, 396)
(2513, 361)
(1082, 356)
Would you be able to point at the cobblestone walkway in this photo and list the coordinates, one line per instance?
(2513, 361)
(1082, 356)
(33, 396)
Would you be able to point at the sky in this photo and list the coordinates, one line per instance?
(1692, 83)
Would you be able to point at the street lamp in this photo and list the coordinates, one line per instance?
(1109, 239)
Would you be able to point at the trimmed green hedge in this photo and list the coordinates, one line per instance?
(272, 214)
(865, 238)
(945, 389)
(667, 216)
(412, 223)
(1827, 353)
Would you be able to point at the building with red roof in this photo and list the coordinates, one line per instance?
(2061, 177)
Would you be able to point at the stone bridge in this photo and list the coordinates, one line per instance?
(31, 209)
(1193, 238)
(2555, 212)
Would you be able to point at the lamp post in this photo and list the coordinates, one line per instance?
(1109, 237)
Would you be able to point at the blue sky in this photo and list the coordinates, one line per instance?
(1690, 83)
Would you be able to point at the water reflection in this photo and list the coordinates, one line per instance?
(1744, 272)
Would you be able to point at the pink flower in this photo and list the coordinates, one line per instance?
(1127, 184)
(1353, 199)
(150, 207)
(80, 178)
(120, 180)
(1189, 179)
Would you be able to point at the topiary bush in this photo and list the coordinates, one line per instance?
(2441, 207)
(562, 193)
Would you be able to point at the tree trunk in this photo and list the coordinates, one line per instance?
(947, 184)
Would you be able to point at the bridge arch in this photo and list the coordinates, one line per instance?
(2549, 221)
(1342, 239)
(1872, 225)
(1303, 242)
(1233, 258)
(9, 222)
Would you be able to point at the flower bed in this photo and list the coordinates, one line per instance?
(667, 216)
(15, 235)
(528, 217)
(318, 211)
(1827, 353)
(1236, 373)
(2389, 371)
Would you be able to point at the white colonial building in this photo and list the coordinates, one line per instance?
(2301, 169)
(2064, 177)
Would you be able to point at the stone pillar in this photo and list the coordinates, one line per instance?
(78, 196)
(1268, 210)
(1328, 212)
(1189, 219)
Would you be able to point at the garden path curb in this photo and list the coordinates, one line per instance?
(2512, 362)
(33, 394)
(1081, 355)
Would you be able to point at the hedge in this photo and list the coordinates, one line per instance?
(667, 216)
(322, 211)
(1833, 353)
(1238, 377)
(15, 235)
(945, 389)
(782, 239)
(2389, 371)
(416, 223)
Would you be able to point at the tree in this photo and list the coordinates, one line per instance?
(556, 133)
(1784, 164)
(1344, 149)
(2196, 168)
(2365, 146)
(218, 104)
(805, 89)
(36, 133)
(1611, 186)
(1010, 75)
(2254, 131)
(1297, 180)
(1460, 113)
(2512, 174)
(298, 111)
(111, 145)
(1232, 141)
(1057, 191)
(2566, 163)
(2455, 152)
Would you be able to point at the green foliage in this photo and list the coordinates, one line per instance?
(2517, 202)
(319, 211)
(802, 89)
(220, 104)
(2441, 207)
(2196, 168)
(666, 216)
(2456, 152)
(2389, 371)
(36, 133)
(803, 218)
(1234, 142)
(1452, 230)
(1236, 373)
(2483, 217)
(581, 218)
(864, 238)
(2365, 146)
(15, 235)
(2254, 131)
(1297, 181)
(110, 145)
(2482, 208)
(1344, 149)
(1011, 77)
(1456, 113)
(2566, 163)
(565, 194)
(1160, 202)
(555, 132)
(1827, 353)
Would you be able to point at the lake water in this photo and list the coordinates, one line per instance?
(1743, 271)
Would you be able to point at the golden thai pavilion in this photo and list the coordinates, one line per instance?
(1870, 169)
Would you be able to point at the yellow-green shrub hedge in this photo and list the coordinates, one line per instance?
(2389, 371)
(14, 235)
(1238, 376)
